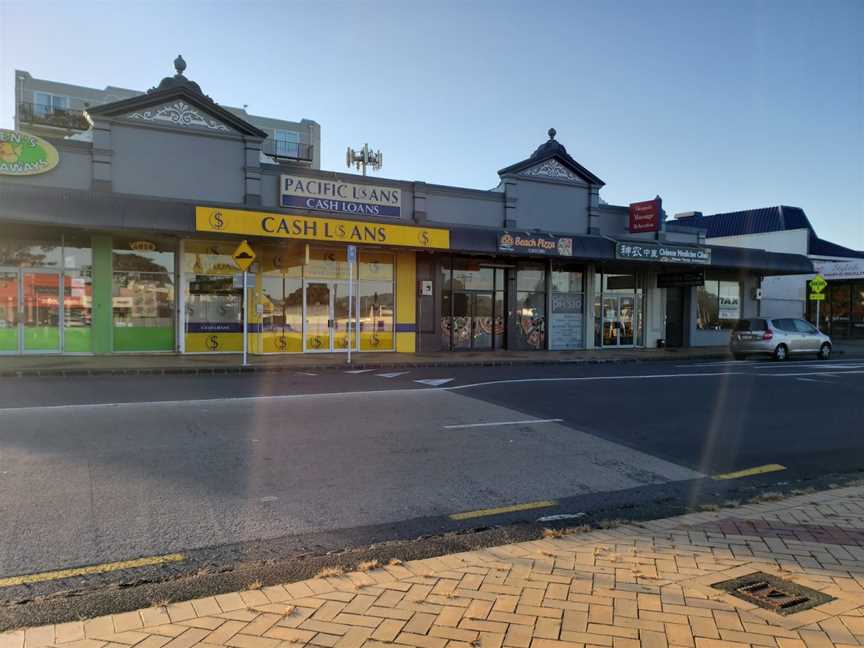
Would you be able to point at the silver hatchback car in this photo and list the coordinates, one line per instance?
(780, 338)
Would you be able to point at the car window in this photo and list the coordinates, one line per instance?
(784, 325)
(751, 325)
(804, 327)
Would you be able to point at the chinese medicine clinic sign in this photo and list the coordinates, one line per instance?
(535, 243)
(334, 196)
(663, 253)
(645, 216)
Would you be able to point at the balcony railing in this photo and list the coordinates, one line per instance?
(288, 150)
(45, 115)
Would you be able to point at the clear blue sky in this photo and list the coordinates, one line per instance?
(716, 106)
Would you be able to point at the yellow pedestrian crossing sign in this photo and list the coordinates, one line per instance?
(243, 256)
(818, 283)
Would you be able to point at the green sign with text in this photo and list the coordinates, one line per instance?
(22, 154)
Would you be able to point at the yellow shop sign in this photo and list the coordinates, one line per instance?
(293, 226)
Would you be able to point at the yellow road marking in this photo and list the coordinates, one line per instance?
(749, 472)
(40, 577)
(467, 515)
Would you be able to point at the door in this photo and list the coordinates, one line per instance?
(626, 320)
(327, 316)
(810, 340)
(40, 321)
(674, 317)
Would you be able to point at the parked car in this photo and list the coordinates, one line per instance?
(780, 338)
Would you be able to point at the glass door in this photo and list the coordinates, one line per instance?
(40, 322)
(9, 306)
(626, 320)
(610, 321)
(317, 308)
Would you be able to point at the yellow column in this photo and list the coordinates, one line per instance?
(406, 301)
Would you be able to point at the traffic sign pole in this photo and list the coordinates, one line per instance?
(245, 320)
(352, 257)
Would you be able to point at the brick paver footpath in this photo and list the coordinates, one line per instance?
(635, 585)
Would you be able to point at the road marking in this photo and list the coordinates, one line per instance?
(434, 382)
(826, 382)
(562, 516)
(306, 373)
(719, 363)
(468, 515)
(359, 371)
(392, 374)
(209, 402)
(41, 577)
(749, 472)
(492, 424)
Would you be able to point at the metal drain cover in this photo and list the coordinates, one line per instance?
(773, 593)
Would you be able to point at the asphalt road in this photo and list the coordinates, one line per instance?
(226, 468)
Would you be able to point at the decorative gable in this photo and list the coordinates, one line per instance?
(552, 169)
(179, 113)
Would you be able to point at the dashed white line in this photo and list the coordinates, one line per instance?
(359, 371)
(392, 374)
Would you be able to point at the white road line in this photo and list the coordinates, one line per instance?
(209, 402)
(392, 374)
(359, 371)
(719, 363)
(434, 382)
(827, 382)
(495, 423)
(306, 373)
(560, 516)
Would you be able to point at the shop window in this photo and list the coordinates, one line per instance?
(718, 305)
(566, 320)
(31, 254)
(857, 310)
(841, 309)
(143, 302)
(143, 311)
(213, 305)
(375, 318)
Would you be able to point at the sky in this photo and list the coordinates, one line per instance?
(715, 106)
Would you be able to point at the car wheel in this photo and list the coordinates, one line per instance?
(781, 353)
(825, 351)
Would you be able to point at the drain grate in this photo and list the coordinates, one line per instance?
(772, 593)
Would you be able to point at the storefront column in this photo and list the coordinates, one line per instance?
(590, 271)
(406, 304)
(103, 290)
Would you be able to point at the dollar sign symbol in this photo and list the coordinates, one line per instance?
(213, 342)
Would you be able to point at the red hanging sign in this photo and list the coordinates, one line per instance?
(645, 216)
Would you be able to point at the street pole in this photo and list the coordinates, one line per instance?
(350, 304)
(817, 316)
(245, 319)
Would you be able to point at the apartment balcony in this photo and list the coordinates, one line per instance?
(295, 151)
(33, 114)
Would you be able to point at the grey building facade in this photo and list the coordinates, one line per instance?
(55, 109)
(127, 242)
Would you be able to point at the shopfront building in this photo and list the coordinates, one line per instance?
(125, 243)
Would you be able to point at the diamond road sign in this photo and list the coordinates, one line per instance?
(243, 256)
(818, 283)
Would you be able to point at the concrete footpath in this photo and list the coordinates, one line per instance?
(647, 584)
